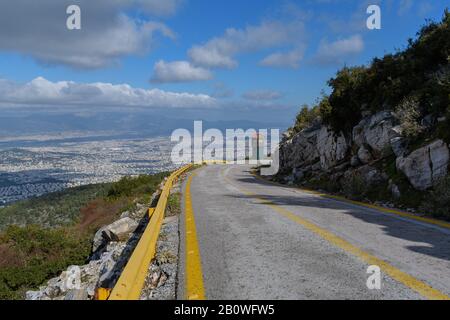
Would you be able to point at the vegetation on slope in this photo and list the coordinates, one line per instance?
(420, 73)
(54, 209)
(413, 83)
(35, 252)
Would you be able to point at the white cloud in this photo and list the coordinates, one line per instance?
(107, 33)
(262, 95)
(220, 52)
(221, 91)
(178, 71)
(289, 59)
(40, 91)
(160, 7)
(404, 7)
(339, 50)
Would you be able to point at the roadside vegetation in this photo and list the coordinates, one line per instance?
(43, 236)
(414, 83)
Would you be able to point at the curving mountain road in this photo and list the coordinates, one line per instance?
(243, 238)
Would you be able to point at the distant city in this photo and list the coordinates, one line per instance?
(45, 164)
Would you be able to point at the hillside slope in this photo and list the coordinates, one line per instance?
(383, 132)
(43, 236)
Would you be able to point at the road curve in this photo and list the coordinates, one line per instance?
(243, 238)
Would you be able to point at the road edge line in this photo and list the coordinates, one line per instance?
(194, 287)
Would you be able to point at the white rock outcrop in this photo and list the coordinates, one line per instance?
(332, 147)
(80, 282)
(116, 231)
(364, 155)
(300, 150)
(425, 166)
(375, 131)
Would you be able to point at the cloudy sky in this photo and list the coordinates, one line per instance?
(223, 57)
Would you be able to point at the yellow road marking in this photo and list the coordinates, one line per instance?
(194, 275)
(402, 214)
(396, 274)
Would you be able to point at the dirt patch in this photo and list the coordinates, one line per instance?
(10, 257)
(99, 212)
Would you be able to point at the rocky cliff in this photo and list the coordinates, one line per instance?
(382, 133)
(375, 155)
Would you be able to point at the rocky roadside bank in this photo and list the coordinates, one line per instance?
(376, 162)
(161, 282)
(111, 248)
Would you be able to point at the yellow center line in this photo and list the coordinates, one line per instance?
(417, 285)
(194, 275)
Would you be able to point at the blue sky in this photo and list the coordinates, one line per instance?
(266, 56)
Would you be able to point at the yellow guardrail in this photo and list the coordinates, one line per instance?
(132, 279)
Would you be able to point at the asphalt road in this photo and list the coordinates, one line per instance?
(243, 238)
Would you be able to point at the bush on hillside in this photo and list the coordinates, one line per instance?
(421, 70)
(32, 254)
(305, 118)
(438, 202)
(44, 254)
(135, 186)
(408, 113)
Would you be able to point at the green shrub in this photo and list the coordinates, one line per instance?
(421, 70)
(437, 203)
(54, 209)
(354, 187)
(443, 128)
(32, 254)
(173, 204)
(135, 186)
(305, 118)
(408, 113)
(45, 253)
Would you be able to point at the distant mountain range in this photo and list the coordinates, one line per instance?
(147, 123)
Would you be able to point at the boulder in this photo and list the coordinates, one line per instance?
(364, 155)
(371, 175)
(425, 166)
(332, 147)
(358, 132)
(375, 132)
(119, 230)
(354, 162)
(77, 295)
(399, 143)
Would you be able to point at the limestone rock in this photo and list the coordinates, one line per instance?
(425, 166)
(371, 175)
(332, 147)
(364, 155)
(76, 294)
(375, 132)
(117, 231)
(355, 161)
(300, 150)
(399, 143)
